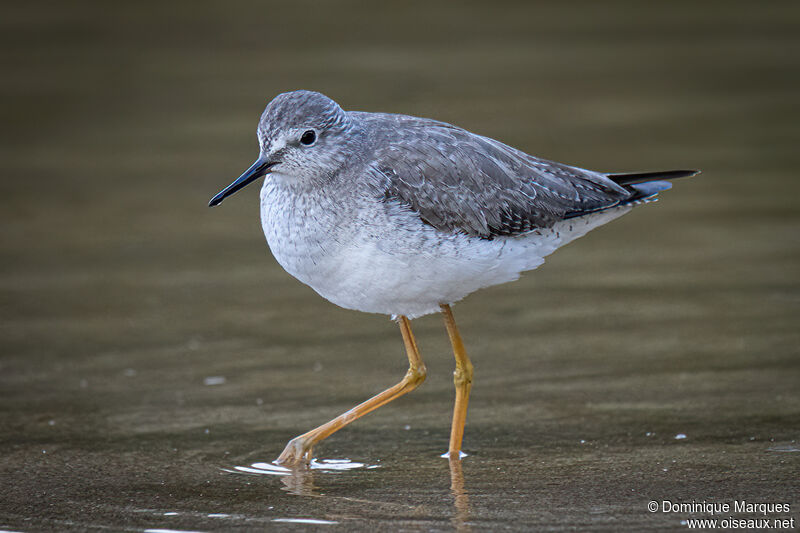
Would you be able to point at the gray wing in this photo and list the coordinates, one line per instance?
(457, 180)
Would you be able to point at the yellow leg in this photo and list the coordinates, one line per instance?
(299, 449)
(462, 377)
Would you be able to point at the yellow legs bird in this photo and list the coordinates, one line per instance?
(404, 216)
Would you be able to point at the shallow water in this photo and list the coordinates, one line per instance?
(155, 358)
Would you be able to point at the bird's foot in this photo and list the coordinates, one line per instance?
(296, 453)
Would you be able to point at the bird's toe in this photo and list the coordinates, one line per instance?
(296, 453)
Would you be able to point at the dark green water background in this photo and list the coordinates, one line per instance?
(121, 293)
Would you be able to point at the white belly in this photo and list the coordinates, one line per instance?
(387, 261)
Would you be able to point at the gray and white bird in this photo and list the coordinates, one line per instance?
(404, 216)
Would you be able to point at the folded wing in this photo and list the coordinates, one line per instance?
(456, 180)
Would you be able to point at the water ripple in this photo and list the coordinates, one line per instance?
(325, 465)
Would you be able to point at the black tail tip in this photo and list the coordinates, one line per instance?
(629, 178)
(675, 174)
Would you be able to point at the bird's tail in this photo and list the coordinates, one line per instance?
(646, 185)
(632, 178)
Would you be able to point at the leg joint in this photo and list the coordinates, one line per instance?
(416, 374)
(462, 375)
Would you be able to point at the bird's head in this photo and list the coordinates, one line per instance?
(303, 138)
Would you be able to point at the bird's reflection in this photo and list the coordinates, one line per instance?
(460, 499)
(300, 482)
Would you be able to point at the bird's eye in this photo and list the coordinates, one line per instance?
(308, 137)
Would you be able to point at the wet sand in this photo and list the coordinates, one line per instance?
(153, 351)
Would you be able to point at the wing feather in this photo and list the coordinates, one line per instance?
(459, 181)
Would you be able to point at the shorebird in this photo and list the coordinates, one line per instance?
(404, 216)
